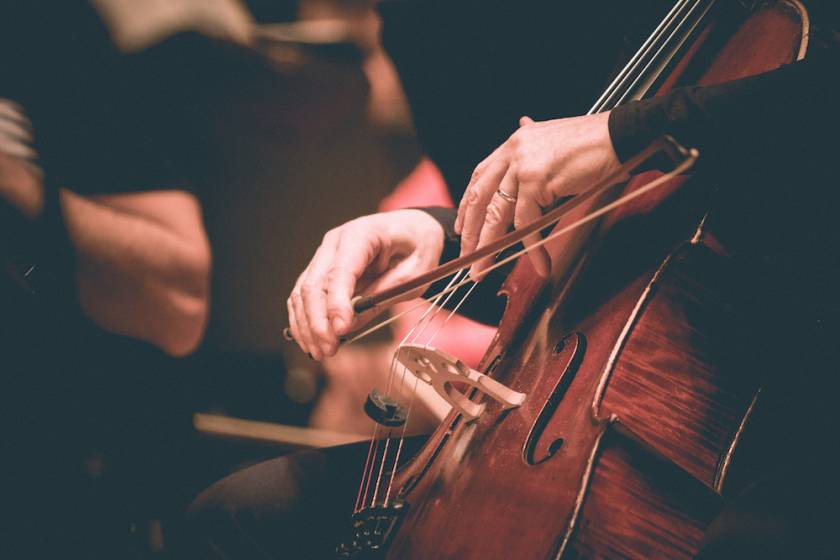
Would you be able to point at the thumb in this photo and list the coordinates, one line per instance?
(525, 120)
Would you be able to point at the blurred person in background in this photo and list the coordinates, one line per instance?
(106, 260)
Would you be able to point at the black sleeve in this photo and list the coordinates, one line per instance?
(774, 121)
(483, 304)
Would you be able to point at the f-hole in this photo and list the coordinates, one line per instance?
(575, 344)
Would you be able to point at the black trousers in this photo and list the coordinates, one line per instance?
(297, 506)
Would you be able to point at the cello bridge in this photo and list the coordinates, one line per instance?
(442, 371)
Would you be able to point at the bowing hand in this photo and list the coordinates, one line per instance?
(367, 254)
(538, 164)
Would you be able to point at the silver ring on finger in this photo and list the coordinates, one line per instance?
(507, 197)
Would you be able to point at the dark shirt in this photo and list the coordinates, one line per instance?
(101, 122)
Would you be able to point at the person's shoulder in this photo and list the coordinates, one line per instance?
(135, 25)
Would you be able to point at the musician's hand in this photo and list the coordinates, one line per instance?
(539, 163)
(366, 255)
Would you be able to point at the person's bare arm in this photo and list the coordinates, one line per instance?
(142, 259)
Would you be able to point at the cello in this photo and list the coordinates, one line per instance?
(605, 417)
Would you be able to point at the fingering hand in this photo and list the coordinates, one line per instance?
(539, 163)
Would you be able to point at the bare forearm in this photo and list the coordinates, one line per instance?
(142, 259)
(137, 276)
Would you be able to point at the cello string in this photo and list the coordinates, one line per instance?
(357, 507)
(385, 322)
(367, 484)
(451, 313)
(430, 313)
(438, 307)
(433, 310)
(370, 467)
(381, 468)
(427, 316)
(426, 345)
(619, 83)
(669, 42)
(453, 285)
(678, 11)
(388, 296)
(414, 391)
(622, 77)
(658, 182)
(425, 320)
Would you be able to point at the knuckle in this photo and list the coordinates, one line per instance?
(519, 221)
(319, 329)
(468, 244)
(543, 196)
(333, 275)
(531, 174)
(331, 235)
(471, 197)
(495, 215)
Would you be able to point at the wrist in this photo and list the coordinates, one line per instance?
(444, 217)
(609, 153)
(632, 128)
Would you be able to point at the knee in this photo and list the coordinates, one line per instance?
(212, 523)
(209, 508)
(252, 513)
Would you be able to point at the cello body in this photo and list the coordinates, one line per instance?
(635, 361)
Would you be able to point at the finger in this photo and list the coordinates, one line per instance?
(497, 220)
(357, 251)
(314, 297)
(527, 210)
(293, 322)
(476, 175)
(313, 290)
(303, 327)
(475, 205)
(525, 120)
(293, 325)
(404, 269)
(468, 192)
